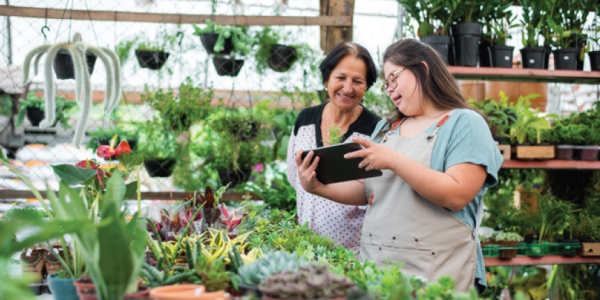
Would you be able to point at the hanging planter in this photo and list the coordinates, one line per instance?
(234, 177)
(282, 57)
(441, 44)
(533, 58)
(502, 56)
(210, 39)
(565, 59)
(34, 115)
(151, 59)
(594, 60)
(160, 167)
(466, 43)
(228, 66)
(63, 64)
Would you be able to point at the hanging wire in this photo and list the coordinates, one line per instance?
(91, 22)
(70, 21)
(61, 19)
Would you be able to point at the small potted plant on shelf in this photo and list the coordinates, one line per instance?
(34, 108)
(501, 117)
(509, 242)
(574, 15)
(533, 17)
(158, 146)
(227, 64)
(271, 53)
(595, 55)
(527, 121)
(180, 110)
(588, 231)
(495, 33)
(467, 31)
(103, 136)
(151, 55)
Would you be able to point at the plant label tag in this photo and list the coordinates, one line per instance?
(28, 253)
(531, 61)
(566, 58)
(198, 292)
(506, 58)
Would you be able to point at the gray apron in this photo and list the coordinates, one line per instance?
(401, 225)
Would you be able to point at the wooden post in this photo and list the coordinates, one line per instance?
(331, 36)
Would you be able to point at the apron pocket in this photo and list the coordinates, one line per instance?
(416, 262)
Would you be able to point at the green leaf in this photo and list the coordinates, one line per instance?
(131, 190)
(130, 160)
(71, 175)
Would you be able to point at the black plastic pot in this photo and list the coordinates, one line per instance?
(466, 43)
(234, 177)
(160, 167)
(282, 57)
(441, 44)
(565, 59)
(228, 67)
(502, 56)
(153, 60)
(589, 153)
(485, 54)
(533, 58)
(210, 39)
(34, 115)
(63, 64)
(564, 152)
(577, 41)
(594, 60)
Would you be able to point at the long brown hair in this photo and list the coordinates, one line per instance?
(435, 81)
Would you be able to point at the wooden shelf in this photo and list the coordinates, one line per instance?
(525, 75)
(544, 260)
(551, 164)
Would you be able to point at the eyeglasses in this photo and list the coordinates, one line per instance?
(391, 81)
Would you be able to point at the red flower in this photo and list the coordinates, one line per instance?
(88, 164)
(108, 151)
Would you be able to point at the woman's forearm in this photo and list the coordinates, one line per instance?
(453, 189)
(349, 192)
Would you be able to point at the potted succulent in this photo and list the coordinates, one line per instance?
(33, 107)
(509, 242)
(271, 53)
(179, 111)
(158, 146)
(227, 65)
(313, 281)
(250, 276)
(151, 55)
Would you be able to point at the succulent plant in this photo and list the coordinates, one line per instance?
(262, 268)
(508, 237)
(314, 281)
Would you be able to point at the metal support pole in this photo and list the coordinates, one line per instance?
(400, 25)
(9, 37)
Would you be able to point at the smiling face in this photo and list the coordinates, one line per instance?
(347, 83)
(406, 95)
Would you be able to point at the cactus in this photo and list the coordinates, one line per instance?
(314, 281)
(83, 90)
(258, 271)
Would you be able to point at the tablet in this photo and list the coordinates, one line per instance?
(333, 167)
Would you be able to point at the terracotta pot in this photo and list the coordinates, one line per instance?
(87, 290)
(508, 252)
(271, 298)
(186, 291)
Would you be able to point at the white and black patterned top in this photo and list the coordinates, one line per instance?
(337, 221)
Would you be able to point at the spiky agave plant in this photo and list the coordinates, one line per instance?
(83, 89)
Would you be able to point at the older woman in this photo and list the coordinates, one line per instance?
(348, 72)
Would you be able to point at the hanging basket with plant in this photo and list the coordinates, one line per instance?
(34, 108)
(270, 53)
(151, 56)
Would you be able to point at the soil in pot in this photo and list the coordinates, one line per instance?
(466, 43)
(234, 177)
(34, 115)
(63, 64)
(533, 58)
(62, 288)
(282, 57)
(153, 60)
(441, 45)
(564, 152)
(502, 56)
(565, 59)
(210, 39)
(228, 67)
(594, 60)
(160, 167)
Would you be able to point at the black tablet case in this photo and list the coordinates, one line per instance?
(333, 167)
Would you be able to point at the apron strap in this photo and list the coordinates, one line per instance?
(438, 126)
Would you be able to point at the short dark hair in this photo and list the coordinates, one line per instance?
(342, 50)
